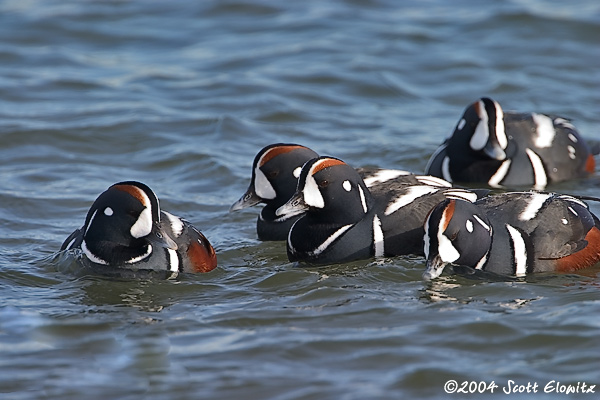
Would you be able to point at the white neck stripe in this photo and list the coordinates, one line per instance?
(91, 256)
(538, 169)
(329, 240)
(378, 239)
(520, 251)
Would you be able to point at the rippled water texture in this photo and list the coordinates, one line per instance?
(181, 95)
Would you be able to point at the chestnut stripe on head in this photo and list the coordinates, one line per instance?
(324, 163)
(275, 151)
(135, 192)
(446, 249)
(447, 215)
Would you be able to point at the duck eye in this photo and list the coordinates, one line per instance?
(273, 174)
(454, 236)
(324, 183)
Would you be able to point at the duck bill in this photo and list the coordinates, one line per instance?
(493, 150)
(159, 237)
(435, 267)
(296, 205)
(248, 199)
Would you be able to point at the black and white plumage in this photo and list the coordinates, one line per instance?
(510, 149)
(514, 233)
(344, 220)
(275, 173)
(125, 229)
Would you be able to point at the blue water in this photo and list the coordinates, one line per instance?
(181, 96)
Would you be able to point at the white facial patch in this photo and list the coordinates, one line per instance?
(312, 194)
(175, 222)
(446, 249)
(533, 207)
(262, 186)
(461, 124)
(544, 131)
(108, 211)
(520, 251)
(413, 193)
(565, 221)
(378, 237)
(143, 225)
(297, 172)
(347, 186)
(541, 180)
(500, 131)
(384, 175)
(481, 135)
(469, 226)
(499, 174)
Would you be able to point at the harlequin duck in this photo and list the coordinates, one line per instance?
(275, 173)
(510, 149)
(125, 229)
(513, 233)
(344, 220)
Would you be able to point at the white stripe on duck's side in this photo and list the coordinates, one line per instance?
(460, 194)
(500, 174)
(534, 206)
(413, 193)
(433, 181)
(384, 175)
(541, 180)
(519, 250)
